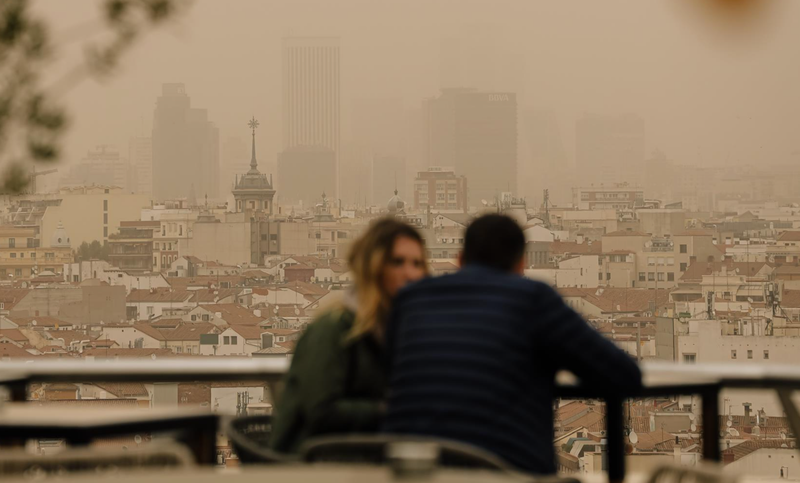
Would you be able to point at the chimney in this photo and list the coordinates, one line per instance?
(747, 406)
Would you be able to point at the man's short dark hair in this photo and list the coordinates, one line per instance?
(494, 241)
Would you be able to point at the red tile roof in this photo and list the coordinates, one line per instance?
(790, 236)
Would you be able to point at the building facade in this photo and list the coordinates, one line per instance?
(476, 133)
(185, 148)
(440, 189)
(132, 248)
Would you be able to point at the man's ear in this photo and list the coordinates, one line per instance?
(520, 267)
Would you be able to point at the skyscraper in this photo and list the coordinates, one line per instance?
(101, 166)
(140, 156)
(476, 133)
(185, 147)
(610, 149)
(311, 110)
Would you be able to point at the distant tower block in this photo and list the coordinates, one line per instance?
(253, 190)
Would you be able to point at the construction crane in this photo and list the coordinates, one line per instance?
(32, 179)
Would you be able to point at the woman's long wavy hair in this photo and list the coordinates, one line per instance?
(368, 259)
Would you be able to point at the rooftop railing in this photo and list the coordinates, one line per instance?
(660, 380)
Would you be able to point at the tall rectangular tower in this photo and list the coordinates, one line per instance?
(476, 133)
(311, 86)
(185, 148)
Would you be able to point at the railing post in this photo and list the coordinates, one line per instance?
(711, 451)
(615, 439)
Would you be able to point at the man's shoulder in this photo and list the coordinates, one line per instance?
(485, 278)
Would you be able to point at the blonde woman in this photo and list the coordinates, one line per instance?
(337, 381)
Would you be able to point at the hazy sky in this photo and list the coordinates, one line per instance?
(705, 93)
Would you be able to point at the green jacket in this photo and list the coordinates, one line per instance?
(335, 384)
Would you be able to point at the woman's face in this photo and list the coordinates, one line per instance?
(405, 265)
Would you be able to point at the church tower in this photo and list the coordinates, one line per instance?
(253, 191)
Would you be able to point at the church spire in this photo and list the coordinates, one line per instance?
(253, 123)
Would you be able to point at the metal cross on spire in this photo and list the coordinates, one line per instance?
(253, 123)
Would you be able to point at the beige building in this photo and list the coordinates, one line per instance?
(86, 213)
(22, 254)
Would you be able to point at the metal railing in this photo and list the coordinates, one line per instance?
(660, 379)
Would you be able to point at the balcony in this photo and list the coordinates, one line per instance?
(660, 379)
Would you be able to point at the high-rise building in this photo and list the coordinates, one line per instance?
(140, 158)
(544, 165)
(102, 166)
(388, 175)
(610, 149)
(476, 133)
(304, 173)
(440, 189)
(311, 102)
(185, 148)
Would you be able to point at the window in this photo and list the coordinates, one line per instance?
(189, 350)
(264, 237)
(105, 218)
(661, 276)
(670, 277)
(651, 261)
(194, 318)
(178, 349)
(149, 310)
(689, 358)
(226, 340)
(749, 354)
(234, 340)
(766, 354)
(733, 354)
(22, 255)
(683, 249)
(13, 255)
(275, 237)
(180, 233)
(651, 277)
(205, 317)
(599, 276)
(105, 205)
(608, 275)
(683, 267)
(642, 277)
(105, 232)
(670, 261)
(18, 272)
(33, 254)
(12, 243)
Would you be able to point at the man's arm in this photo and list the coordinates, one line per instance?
(565, 337)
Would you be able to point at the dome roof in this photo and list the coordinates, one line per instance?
(60, 238)
(395, 204)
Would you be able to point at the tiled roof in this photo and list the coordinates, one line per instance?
(211, 296)
(87, 403)
(743, 449)
(248, 332)
(559, 247)
(13, 334)
(790, 236)
(11, 296)
(12, 351)
(123, 389)
(614, 299)
(41, 321)
(790, 299)
(69, 335)
(697, 269)
(627, 233)
(137, 353)
(695, 232)
(787, 270)
(305, 288)
(149, 331)
(190, 331)
(273, 350)
(235, 314)
(194, 394)
(160, 295)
